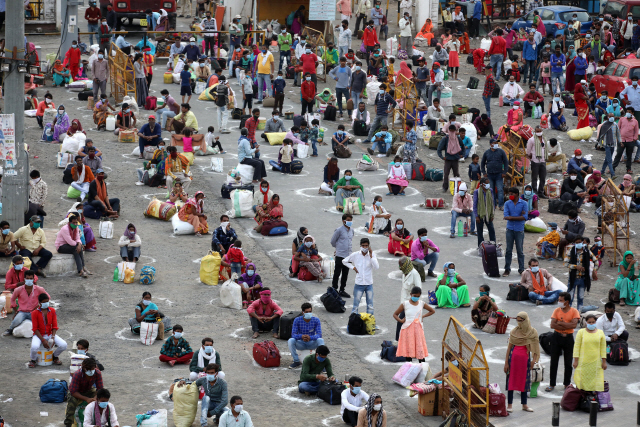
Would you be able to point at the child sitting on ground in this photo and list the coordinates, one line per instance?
(340, 138)
(213, 141)
(83, 348)
(187, 141)
(549, 243)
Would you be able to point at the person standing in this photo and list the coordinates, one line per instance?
(578, 261)
(236, 32)
(453, 148)
(536, 153)
(412, 343)
(370, 38)
(497, 53)
(489, 87)
(494, 166)
(265, 72)
(209, 29)
(516, 212)
(344, 38)
(530, 56)
(483, 209)
(629, 134)
(476, 18)
(358, 84)
(284, 42)
(72, 59)
(363, 263)
(522, 353)
(405, 32)
(383, 102)
(609, 137)
(361, 11)
(223, 92)
(342, 76)
(92, 15)
(590, 357)
(632, 95)
(341, 241)
(563, 321)
(558, 63)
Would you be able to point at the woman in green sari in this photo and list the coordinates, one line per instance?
(451, 289)
(628, 284)
(348, 186)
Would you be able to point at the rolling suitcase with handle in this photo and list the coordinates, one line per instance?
(286, 324)
(490, 259)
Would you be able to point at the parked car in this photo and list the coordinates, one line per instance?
(619, 72)
(555, 18)
(620, 8)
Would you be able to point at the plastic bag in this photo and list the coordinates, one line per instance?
(185, 404)
(231, 293)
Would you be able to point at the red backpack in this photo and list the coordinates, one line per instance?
(150, 103)
(266, 354)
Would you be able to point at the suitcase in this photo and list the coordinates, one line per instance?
(85, 94)
(296, 167)
(274, 227)
(243, 120)
(266, 354)
(546, 341)
(290, 72)
(496, 91)
(418, 171)
(473, 83)
(331, 392)
(269, 102)
(330, 113)
(497, 405)
(490, 259)
(286, 324)
(618, 353)
(517, 292)
(297, 120)
(360, 128)
(571, 398)
(226, 189)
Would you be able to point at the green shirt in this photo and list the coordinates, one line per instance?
(284, 42)
(311, 367)
(238, 32)
(343, 182)
(331, 56)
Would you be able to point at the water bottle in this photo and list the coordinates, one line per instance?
(460, 228)
(466, 229)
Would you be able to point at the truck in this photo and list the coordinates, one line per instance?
(131, 9)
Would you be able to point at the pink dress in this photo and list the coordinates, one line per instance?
(397, 176)
(412, 342)
(518, 369)
(187, 144)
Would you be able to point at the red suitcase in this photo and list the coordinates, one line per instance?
(497, 405)
(490, 259)
(266, 354)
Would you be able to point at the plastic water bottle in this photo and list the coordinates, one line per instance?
(460, 228)
(466, 229)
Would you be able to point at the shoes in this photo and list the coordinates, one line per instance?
(225, 131)
(506, 273)
(473, 233)
(139, 183)
(366, 141)
(538, 302)
(259, 102)
(343, 294)
(7, 333)
(90, 250)
(41, 273)
(430, 273)
(294, 365)
(370, 151)
(542, 196)
(453, 236)
(87, 271)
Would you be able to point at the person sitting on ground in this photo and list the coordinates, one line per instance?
(573, 228)
(85, 383)
(60, 124)
(462, 207)
(379, 221)
(177, 194)
(223, 236)
(186, 119)
(176, 169)
(130, 243)
(266, 212)
(372, 414)
(125, 119)
(339, 139)
(82, 176)
(45, 327)
(483, 307)
(361, 114)
(147, 311)
(176, 349)
(400, 240)
(384, 138)
(627, 282)
(538, 282)
(7, 241)
(236, 257)
(397, 178)
(193, 213)
(215, 396)
(68, 242)
(347, 186)
(420, 252)
(31, 242)
(15, 276)
(75, 127)
(25, 296)
(84, 150)
(92, 161)
(532, 201)
(316, 368)
(451, 289)
(264, 314)
(202, 357)
(274, 125)
(150, 135)
(251, 285)
(550, 242)
(100, 412)
(612, 324)
(330, 176)
(352, 400)
(101, 112)
(306, 334)
(99, 198)
(308, 257)
(573, 189)
(579, 164)
(596, 187)
(83, 349)
(263, 196)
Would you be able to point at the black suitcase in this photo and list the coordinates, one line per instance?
(546, 342)
(296, 166)
(330, 113)
(490, 259)
(470, 58)
(290, 72)
(286, 324)
(228, 188)
(297, 120)
(414, 60)
(473, 83)
(517, 292)
(331, 392)
(496, 91)
(243, 120)
(85, 94)
(360, 128)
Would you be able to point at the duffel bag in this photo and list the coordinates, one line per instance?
(333, 302)
(433, 174)
(266, 354)
(331, 392)
(274, 227)
(356, 325)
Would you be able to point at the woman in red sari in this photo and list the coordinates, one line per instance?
(272, 210)
(571, 71)
(580, 99)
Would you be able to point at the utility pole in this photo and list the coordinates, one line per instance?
(69, 28)
(15, 182)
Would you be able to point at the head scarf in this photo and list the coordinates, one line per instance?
(407, 266)
(163, 13)
(77, 123)
(446, 265)
(128, 234)
(250, 280)
(301, 235)
(404, 70)
(57, 65)
(265, 296)
(58, 115)
(627, 180)
(524, 334)
(528, 199)
(578, 92)
(332, 168)
(596, 176)
(195, 203)
(265, 194)
(626, 264)
(370, 403)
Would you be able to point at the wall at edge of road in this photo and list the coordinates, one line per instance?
(423, 11)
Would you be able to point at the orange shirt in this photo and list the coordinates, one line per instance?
(567, 317)
(43, 106)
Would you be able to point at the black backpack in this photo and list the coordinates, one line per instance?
(388, 352)
(333, 303)
(236, 114)
(67, 177)
(356, 325)
(517, 292)
(473, 83)
(360, 128)
(557, 206)
(331, 392)
(470, 58)
(330, 113)
(222, 93)
(618, 353)
(546, 340)
(474, 113)
(290, 73)
(296, 166)
(496, 91)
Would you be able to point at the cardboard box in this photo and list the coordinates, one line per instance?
(428, 404)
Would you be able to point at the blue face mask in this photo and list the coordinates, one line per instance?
(90, 373)
(347, 177)
(451, 272)
(307, 315)
(415, 299)
(612, 119)
(435, 70)
(556, 99)
(18, 266)
(208, 349)
(177, 335)
(348, 223)
(628, 115)
(579, 245)
(103, 405)
(356, 390)
(321, 359)
(527, 192)
(454, 363)
(591, 327)
(462, 193)
(211, 378)
(250, 272)
(82, 352)
(378, 203)
(28, 282)
(6, 231)
(358, 68)
(308, 51)
(535, 269)
(399, 226)
(308, 244)
(423, 238)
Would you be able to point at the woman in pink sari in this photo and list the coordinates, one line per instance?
(272, 210)
(299, 21)
(538, 24)
(514, 121)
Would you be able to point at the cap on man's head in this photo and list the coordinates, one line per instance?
(99, 171)
(238, 16)
(35, 218)
(463, 186)
(578, 152)
(152, 117)
(436, 64)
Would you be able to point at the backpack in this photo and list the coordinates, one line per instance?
(147, 275)
(473, 83)
(333, 302)
(546, 341)
(360, 128)
(54, 391)
(370, 322)
(434, 175)
(222, 95)
(236, 114)
(296, 167)
(557, 206)
(356, 325)
(330, 113)
(67, 177)
(383, 73)
(418, 171)
(150, 103)
(388, 352)
(331, 392)
(618, 353)
(266, 354)
(496, 91)
(517, 292)
(290, 72)
(290, 17)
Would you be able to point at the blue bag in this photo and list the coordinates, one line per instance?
(147, 275)
(54, 391)
(388, 352)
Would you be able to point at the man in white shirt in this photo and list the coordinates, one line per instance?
(353, 399)
(554, 154)
(301, 48)
(106, 411)
(612, 324)
(512, 91)
(438, 83)
(344, 38)
(236, 417)
(535, 151)
(361, 114)
(435, 115)
(363, 263)
(458, 21)
(405, 32)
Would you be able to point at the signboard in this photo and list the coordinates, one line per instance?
(7, 140)
(455, 376)
(322, 10)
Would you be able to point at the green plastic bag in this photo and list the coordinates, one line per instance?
(366, 158)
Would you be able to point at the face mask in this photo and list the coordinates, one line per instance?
(378, 203)
(192, 43)
(573, 177)
(356, 390)
(6, 231)
(535, 269)
(527, 192)
(18, 266)
(547, 45)
(591, 326)
(211, 378)
(415, 299)
(455, 363)
(512, 198)
(103, 405)
(628, 115)
(177, 334)
(284, 31)
(515, 107)
(74, 45)
(308, 244)
(279, 78)
(482, 294)
(308, 315)
(451, 272)
(435, 70)
(556, 99)
(146, 302)
(250, 273)
(308, 79)
(208, 349)
(423, 238)
(496, 146)
(377, 407)
(61, 112)
(512, 83)
(609, 315)
(399, 226)
(358, 68)
(128, 110)
(238, 408)
(486, 186)
(461, 193)
(90, 373)
(598, 243)
(28, 282)
(201, 65)
(612, 119)
(376, 54)
(307, 51)
(82, 352)
(74, 226)
(264, 51)
(36, 225)
(321, 359)
(48, 101)
(348, 223)
(340, 133)
(347, 177)
(579, 245)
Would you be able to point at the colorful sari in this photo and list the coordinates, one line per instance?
(62, 125)
(269, 211)
(75, 127)
(100, 114)
(60, 74)
(582, 108)
(396, 247)
(189, 212)
(514, 122)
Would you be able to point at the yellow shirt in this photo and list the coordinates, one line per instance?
(266, 68)
(30, 241)
(6, 240)
(190, 120)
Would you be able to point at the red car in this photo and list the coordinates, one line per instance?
(615, 75)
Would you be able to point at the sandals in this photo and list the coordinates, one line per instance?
(549, 388)
(56, 361)
(527, 409)
(255, 335)
(32, 364)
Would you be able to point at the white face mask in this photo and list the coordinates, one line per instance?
(578, 157)
(573, 177)
(377, 407)
(515, 107)
(539, 133)
(496, 146)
